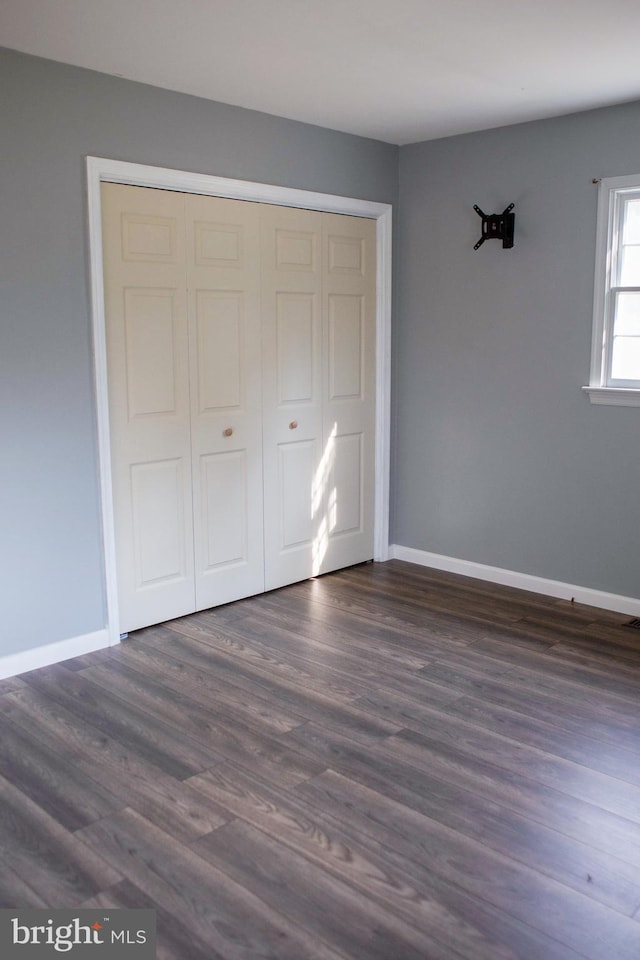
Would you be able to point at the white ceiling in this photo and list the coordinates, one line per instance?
(395, 70)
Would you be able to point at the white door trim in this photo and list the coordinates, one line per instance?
(115, 171)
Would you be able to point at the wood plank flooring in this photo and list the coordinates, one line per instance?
(387, 763)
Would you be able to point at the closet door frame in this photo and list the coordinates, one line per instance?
(100, 170)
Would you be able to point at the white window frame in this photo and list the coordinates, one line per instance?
(603, 389)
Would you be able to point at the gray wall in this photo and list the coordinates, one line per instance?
(499, 457)
(51, 117)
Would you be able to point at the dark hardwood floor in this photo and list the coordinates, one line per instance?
(387, 763)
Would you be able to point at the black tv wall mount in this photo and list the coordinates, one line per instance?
(497, 226)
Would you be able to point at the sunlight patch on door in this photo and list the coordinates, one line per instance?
(323, 502)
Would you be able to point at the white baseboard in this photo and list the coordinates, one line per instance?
(524, 581)
(15, 663)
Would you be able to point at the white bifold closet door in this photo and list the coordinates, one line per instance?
(318, 316)
(223, 306)
(241, 369)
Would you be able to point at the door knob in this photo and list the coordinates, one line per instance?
(293, 425)
(228, 432)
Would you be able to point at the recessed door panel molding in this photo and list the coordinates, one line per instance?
(151, 334)
(220, 338)
(158, 522)
(346, 255)
(219, 244)
(297, 463)
(345, 495)
(149, 238)
(296, 250)
(347, 337)
(297, 331)
(223, 478)
(223, 279)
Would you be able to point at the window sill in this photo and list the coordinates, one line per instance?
(614, 396)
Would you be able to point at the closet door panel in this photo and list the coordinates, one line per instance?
(223, 278)
(346, 494)
(224, 480)
(292, 403)
(219, 334)
(148, 370)
(348, 387)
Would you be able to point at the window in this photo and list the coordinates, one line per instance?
(615, 358)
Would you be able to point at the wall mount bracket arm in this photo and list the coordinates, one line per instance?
(497, 226)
